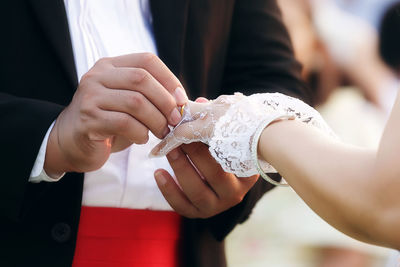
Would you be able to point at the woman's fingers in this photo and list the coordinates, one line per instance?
(193, 131)
(182, 134)
(202, 100)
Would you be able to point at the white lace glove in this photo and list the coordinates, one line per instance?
(229, 123)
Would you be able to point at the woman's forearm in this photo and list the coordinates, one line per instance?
(338, 181)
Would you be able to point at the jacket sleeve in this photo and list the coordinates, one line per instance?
(24, 123)
(260, 58)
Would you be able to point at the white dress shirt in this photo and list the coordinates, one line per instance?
(394, 260)
(104, 28)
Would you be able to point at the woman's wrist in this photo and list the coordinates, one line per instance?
(274, 138)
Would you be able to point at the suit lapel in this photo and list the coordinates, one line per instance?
(52, 17)
(169, 26)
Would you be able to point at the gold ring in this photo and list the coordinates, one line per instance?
(182, 109)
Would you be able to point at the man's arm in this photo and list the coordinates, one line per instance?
(259, 59)
(24, 125)
(260, 55)
(116, 104)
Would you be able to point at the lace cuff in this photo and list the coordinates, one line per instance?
(232, 141)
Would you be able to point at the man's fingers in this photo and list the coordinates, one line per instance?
(153, 65)
(196, 190)
(226, 185)
(174, 195)
(120, 143)
(138, 106)
(141, 81)
(220, 181)
(111, 123)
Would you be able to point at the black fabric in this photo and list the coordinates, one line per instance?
(214, 47)
(389, 37)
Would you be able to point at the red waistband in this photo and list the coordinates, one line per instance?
(124, 237)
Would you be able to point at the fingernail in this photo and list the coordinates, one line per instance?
(160, 178)
(180, 96)
(201, 100)
(175, 117)
(174, 154)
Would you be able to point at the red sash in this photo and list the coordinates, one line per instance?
(115, 237)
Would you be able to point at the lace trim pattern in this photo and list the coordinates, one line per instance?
(231, 141)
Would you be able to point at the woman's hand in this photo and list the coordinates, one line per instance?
(228, 125)
(198, 123)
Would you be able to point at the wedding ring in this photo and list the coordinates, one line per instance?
(182, 109)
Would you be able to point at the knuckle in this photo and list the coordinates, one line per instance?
(149, 58)
(102, 61)
(87, 106)
(87, 95)
(136, 99)
(200, 199)
(137, 76)
(87, 112)
(89, 101)
(88, 76)
(235, 197)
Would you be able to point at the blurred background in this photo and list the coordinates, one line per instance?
(337, 41)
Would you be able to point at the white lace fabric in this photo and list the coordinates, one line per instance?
(229, 123)
(231, 141)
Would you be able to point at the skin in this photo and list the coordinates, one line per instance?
(204, 188)
(117, 103)
(353, 189)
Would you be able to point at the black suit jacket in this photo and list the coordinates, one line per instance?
(213, 47)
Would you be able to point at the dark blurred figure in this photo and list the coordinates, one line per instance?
(319, 69)
(389, 37)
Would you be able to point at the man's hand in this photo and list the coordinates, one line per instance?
(117, 102)
(204, 188)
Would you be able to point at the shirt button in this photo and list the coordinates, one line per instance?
(61, 232)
